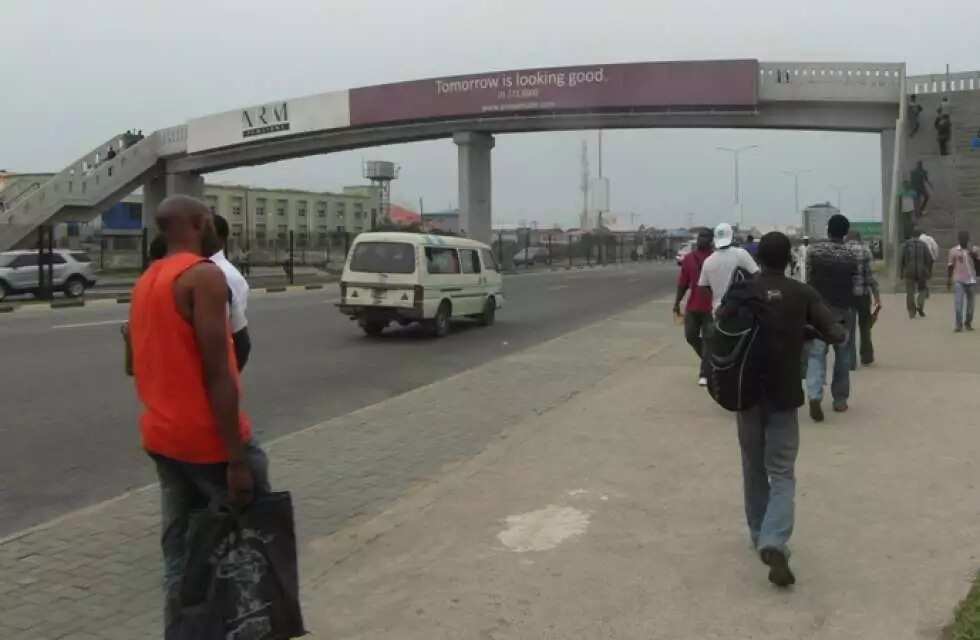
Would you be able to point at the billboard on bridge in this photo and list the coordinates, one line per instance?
(271, 120)
(726, 84)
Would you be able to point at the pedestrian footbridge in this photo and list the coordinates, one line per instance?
(470, 109)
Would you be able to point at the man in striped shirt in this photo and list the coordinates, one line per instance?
(915, 265)
(865, 289)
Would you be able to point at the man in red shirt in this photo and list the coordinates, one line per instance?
(697, 318)
(187, 380)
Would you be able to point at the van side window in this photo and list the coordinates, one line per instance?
(441, 260)
(489, 262)
(471, 260)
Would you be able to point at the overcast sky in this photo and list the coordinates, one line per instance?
(73, 74)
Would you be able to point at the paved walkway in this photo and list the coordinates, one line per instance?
(606, 503)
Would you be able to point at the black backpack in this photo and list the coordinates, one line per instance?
(736, 349)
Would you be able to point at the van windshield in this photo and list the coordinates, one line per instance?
(383, 257)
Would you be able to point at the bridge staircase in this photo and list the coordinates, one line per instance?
(954, 203)
(81, 191)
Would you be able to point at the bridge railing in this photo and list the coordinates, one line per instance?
(942, 83)
(171, 141)
(830, 81)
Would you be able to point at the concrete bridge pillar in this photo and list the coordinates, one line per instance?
(891, 223)
(169, 184)
(475, 184)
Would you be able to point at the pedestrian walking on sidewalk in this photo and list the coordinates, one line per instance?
(962, 273)
(865, 292)
(187, 382)
(769, 433)
(832, 270)
(721, 266)
(697, 315)
(915, 265)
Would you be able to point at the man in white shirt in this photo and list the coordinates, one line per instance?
(718, 269)
(800, 267)
(237, 295)
(932, 244)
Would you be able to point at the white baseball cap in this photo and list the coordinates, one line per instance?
(723, 235)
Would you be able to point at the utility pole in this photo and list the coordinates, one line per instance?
(796, 191)
(736, 152)
(585, 185)
(840, 189)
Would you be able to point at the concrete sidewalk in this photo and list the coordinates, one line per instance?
(618, 514)
(604, 501)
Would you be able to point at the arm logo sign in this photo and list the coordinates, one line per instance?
(265, 119)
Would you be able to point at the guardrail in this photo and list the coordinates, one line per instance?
(943, 83)
(830, 81)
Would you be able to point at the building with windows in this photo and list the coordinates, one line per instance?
(262, 218)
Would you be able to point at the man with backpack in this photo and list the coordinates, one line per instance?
(781, 314)
(697, 315)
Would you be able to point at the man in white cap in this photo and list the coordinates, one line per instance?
(720, 267)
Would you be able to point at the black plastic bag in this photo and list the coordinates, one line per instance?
(241, 579)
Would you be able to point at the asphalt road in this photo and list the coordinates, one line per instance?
(68, 414)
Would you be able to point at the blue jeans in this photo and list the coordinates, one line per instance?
(769, 441)
(186, 487)
(963, 294)
(816, 370)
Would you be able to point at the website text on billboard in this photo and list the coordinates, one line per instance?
(721, 84)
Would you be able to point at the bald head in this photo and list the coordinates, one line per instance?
(187, 225)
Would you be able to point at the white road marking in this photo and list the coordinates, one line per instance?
(87, 324)
(558, 287)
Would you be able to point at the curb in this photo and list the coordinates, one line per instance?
(61, 304)
(274, 289)
(311, 287)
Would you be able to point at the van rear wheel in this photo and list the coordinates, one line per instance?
(373, 328)
(489, 315)
(439, 326)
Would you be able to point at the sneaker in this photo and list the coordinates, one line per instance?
(702, 382)
(958, 330)
(922, 312)
(779, 571)
(816, 412)
(969, 327)
(840, 406)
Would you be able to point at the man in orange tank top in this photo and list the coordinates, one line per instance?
(187, 380)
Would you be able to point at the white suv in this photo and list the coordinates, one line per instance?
(72, 272)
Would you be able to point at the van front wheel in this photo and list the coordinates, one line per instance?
(439, 326)
(489, 315)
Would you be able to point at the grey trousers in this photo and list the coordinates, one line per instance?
(770, 441)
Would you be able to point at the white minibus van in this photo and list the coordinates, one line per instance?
(419, 277)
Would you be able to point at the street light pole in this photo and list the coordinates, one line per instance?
(738, 192)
